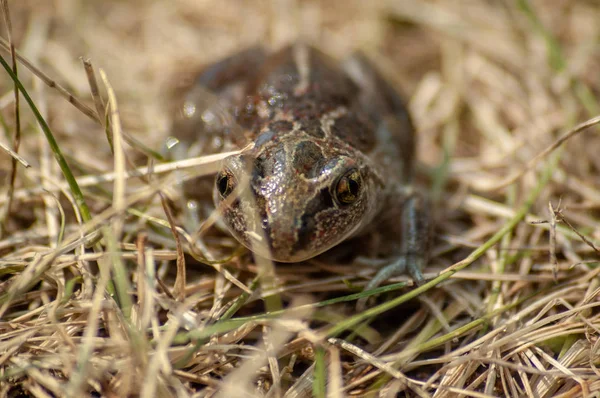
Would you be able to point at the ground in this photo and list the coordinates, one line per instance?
(107, 287)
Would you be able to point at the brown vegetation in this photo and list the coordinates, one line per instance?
(93, 293)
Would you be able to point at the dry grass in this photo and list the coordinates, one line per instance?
(107, 305)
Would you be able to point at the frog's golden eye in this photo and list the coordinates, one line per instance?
(225, 183)
(348, 187)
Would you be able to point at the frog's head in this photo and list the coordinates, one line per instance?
(292, 198)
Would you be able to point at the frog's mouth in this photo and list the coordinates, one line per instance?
(282, 254)
(279, 247)
(290, 247)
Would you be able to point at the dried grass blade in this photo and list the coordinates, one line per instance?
(118, 202)
(52, 84)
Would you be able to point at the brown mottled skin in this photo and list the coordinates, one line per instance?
(332, 158)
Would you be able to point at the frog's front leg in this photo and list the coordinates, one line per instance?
(414, 242)
(413, 252)
(395, 134)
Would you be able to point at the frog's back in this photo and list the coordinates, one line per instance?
(304, 87)
(304, 75)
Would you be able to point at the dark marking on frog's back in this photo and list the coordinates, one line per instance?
(308, 159)
(312, 127)
(355, 132)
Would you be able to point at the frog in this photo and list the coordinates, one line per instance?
(331, 158)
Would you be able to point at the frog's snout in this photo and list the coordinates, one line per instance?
(280, 246)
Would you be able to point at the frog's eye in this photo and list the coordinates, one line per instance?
(348, 187)
(225, 183)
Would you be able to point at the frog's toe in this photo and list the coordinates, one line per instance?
(398, 267)
(404, 264)
(414, 268)
(410, 264)
(385, 273)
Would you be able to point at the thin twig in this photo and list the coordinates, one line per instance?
(588, 242)
(561, 140)
(552, 243)
(86, 110)
(98, 102)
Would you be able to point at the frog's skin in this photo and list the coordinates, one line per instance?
(332, 158)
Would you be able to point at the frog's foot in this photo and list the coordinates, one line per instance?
(414, 245)
(411, 264)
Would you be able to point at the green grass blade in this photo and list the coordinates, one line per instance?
(60, 159)
(319, 383)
